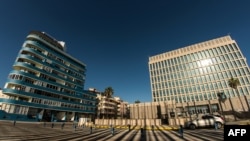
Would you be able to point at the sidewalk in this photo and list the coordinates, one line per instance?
(239, 122)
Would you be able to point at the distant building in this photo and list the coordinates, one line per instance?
(111, 107)
(122, 109)
(111, 110)
(46, 83)
(191, 77)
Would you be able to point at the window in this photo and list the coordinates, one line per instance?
(199, 55)
(210, 52)
(215, 52)
(239, 55)
(227, 48)
(219, 50)
(231, 56)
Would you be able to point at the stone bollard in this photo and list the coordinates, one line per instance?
(216, 125)
(113, 131)
(181, 132)
(141, 132)
(62, 125)
(90, 130)
(14, 122)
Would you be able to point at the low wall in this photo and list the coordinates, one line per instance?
(137, 122)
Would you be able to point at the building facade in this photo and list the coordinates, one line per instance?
(111, 110)
(46, 83)
(111, 107)
(122, 108)
(191, 77)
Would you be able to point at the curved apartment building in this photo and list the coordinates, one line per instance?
(46, 83)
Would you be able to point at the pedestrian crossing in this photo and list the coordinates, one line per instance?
(26, 132)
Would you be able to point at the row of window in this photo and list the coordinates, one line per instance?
(205, 68)
(200, 96)
(60, 104)
(54, 56)
(202, 109)
(107, 105)
(52, 71)
(54, 43)
(207, 82)
(234, 53)
(15, 109)
(53, 95)
(200, 72)
(194, 90)
(41, 83)
(46, 102)
(48, 39)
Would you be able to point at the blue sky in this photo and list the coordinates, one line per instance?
(115, 38)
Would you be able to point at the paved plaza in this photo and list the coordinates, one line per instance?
(41, 132)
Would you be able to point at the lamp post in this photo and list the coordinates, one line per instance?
(189, 111)
(195, 108)
(173, 112)
(144, 116)
(137, 107)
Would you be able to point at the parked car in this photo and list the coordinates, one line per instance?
(205, 121)
(219, 116)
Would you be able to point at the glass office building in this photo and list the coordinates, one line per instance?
(46, 83)
(198, 72)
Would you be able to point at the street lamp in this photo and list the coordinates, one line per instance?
(144, 115)
(137, 114)
(195, 108)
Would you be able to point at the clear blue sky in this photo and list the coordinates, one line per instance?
(115, 38)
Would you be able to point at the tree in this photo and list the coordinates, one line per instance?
(222, 98)
(137, 101)
(234, 83)
(108, 92)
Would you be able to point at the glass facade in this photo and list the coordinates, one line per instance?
(198, 72)
(46, 83)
